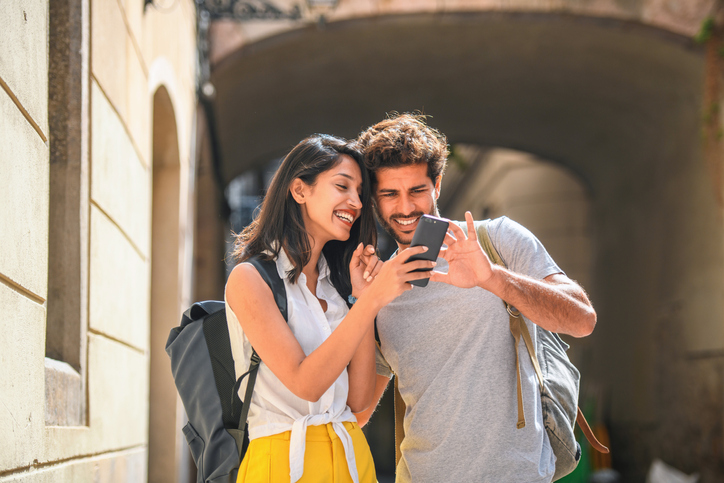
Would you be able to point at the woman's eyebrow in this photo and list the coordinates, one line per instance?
(345, 175)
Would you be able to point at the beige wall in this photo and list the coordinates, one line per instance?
(132, 54)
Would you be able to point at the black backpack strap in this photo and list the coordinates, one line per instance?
(268, 271)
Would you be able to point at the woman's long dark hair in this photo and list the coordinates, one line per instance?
(279, 224)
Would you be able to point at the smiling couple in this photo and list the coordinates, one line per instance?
(448, 344)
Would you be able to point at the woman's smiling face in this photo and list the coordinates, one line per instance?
(332, 204)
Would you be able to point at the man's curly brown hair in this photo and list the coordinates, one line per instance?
(404, 139)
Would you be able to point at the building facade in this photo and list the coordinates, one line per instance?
(97, 106)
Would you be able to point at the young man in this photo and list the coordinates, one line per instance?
(449, 344)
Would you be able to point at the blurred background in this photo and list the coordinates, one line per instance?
(136, 135)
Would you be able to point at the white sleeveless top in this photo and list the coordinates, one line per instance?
(274, 408)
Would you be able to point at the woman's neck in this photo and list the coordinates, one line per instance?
(310, 269)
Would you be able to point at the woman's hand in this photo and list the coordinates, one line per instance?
(363, 268)
(395, 275)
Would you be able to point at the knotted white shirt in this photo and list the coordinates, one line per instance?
(274, 408)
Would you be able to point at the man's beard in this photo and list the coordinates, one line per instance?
(387, 226)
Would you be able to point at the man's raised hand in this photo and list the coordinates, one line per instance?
(468, 265)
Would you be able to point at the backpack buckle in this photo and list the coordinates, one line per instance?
(512, 310)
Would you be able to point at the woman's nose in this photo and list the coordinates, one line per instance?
(355, 202)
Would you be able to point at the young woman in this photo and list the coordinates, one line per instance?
(318, 369)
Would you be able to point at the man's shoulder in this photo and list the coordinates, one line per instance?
(493, 225)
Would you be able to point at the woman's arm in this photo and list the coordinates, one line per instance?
(381, 383)
(363, 269)
(309, 376)
(361, 372)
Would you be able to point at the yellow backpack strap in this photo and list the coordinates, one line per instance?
(400, 409)
(517, 325)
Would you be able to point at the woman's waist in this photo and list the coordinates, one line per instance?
(266, 423)
(323, 432)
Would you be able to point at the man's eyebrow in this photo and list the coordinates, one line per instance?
(421, 186)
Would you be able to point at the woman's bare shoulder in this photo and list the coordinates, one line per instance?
(245, 284)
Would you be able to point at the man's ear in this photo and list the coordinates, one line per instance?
(298, 189)
(438, 182)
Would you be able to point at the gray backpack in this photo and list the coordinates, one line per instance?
(558, 379)
(203, 369)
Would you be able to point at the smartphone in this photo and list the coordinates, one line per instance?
(430, 232)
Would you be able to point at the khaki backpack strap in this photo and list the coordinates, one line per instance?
(515, 330)
(519, 329)
(517, 325)
(400, 409)
(531, 348)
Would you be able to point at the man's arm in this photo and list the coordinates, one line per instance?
(555, 303)
(380, 386)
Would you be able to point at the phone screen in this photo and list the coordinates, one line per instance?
(430, 232)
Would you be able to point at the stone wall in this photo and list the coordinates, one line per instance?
(82, 413)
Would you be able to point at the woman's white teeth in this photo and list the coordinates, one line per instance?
(344, 216)
(406, 222)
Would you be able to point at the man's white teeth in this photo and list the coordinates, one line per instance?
(344, 216)
(406, 222)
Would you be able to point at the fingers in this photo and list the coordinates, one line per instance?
(408, 252)
(449, 239)
(410, 267)
(472, 232)
(356, 257)
(419, 276)
(439, 277)
(370, 260)
(456, 231)
(376, 269)
(372, 266)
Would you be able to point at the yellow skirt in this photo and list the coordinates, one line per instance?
(267, 458)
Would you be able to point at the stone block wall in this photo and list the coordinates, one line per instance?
(87, 418)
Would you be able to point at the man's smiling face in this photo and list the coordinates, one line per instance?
(402, 195)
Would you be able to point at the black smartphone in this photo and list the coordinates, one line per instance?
(430, 232)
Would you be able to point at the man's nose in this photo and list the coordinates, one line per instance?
(406, 205)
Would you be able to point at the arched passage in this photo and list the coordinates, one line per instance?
(164, 430)
(616, 103)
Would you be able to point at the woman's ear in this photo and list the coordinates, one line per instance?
(298, 191)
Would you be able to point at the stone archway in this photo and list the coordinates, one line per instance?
(616, 102)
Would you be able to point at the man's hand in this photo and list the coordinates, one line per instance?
(555, 303)
(469, 266)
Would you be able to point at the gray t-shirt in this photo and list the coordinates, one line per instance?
(454, 355)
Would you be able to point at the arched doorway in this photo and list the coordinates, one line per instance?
(164, 410)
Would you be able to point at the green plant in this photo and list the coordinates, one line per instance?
(705, 31)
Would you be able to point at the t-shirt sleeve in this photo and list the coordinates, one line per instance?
(521, 251)
(383, 368)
